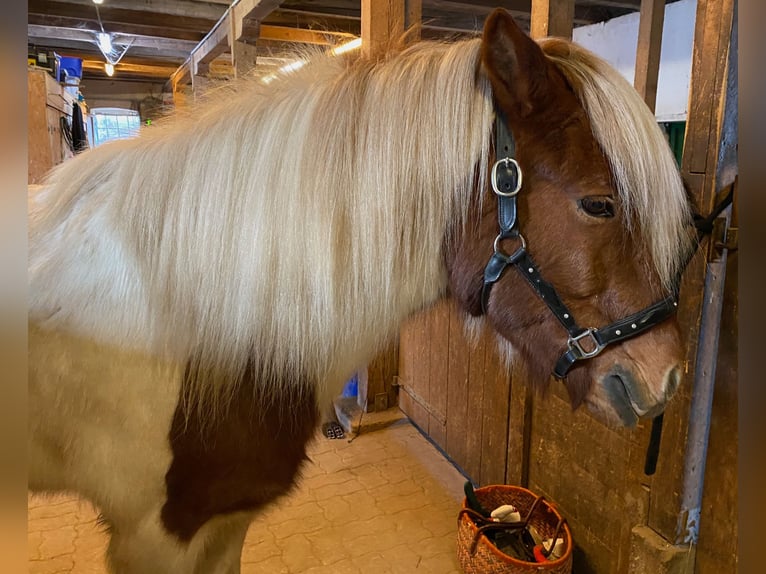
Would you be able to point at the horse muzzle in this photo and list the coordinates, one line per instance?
(632, 399)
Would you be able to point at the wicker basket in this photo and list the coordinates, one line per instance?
(486, 558)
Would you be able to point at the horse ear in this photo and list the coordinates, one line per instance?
(515, 64)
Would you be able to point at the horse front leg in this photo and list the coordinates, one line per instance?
(146, 547)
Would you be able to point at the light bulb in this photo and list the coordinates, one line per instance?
(109, 68)
(104, 43)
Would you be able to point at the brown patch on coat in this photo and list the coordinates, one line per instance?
(247, 458)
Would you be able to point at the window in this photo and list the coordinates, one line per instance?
(113, 123)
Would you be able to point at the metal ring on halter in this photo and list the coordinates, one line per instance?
(506, 161)
(518, 253)
(574, 342)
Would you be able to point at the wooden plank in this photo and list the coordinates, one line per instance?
(458, 420)
(439, 330)
(495, 412)
(303, 36)
(552, 18)
(91, 24)
(182, 8)
(128, 68)
(413, 370)
(87, 37)
(711, 37)
(476, 358)
(519, 426)
(39, 157)
(649, 50)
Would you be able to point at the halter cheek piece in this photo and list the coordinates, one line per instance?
(583, 343)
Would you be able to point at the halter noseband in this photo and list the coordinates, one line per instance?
(583, 343)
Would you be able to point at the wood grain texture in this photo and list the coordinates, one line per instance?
(460, 415)
(552, 18)
(649, 50)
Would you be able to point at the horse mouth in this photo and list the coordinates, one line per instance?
(622, 392)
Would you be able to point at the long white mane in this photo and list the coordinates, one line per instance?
(300, 222)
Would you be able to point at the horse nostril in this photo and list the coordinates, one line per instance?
(674, 379)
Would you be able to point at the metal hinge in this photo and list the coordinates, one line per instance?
(724, 238)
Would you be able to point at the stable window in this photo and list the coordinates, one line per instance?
(113, 123)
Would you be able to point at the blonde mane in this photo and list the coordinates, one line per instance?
(645, 172)
(300, 222)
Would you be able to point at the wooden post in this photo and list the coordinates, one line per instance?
(383, 21)
(244, 57)
(182, 94)
(244, 53)
(552, 18)
(649, 50)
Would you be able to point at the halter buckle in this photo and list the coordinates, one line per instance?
(576, 343)
(508, 162)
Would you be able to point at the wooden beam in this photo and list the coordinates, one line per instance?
(89, 37)
(649, 50)
(158, 71)
(303, 36)
(117, 27)
(384, 21)
(634, 5)
(226, 31)
(552, 18)
(244, 56)
(111, 16)
(180, 8)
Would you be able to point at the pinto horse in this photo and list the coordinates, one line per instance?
(198, 292)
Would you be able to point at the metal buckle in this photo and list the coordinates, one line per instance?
(574, 342)
(516, 253)
(507, 161)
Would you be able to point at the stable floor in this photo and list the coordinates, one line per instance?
(385, 502)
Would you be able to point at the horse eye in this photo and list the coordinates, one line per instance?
(598, 206)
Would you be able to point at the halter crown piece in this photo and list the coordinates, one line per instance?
(583, 343)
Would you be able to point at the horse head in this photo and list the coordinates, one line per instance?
(608, 239)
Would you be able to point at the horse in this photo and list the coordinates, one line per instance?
(197, 294)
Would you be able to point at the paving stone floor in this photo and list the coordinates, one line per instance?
(386, 502)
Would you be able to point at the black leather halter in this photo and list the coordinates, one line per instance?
(583, 343)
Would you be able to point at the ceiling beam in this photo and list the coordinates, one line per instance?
(223, 34)
(144, 70)
(301, 35)
(88, 37)
(634, 5)
(118, 27)
(115, 16)
(181, 8)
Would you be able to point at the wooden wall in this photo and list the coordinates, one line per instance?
(457, 392)
(47, 103)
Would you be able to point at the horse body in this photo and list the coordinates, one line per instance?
(197, 294)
